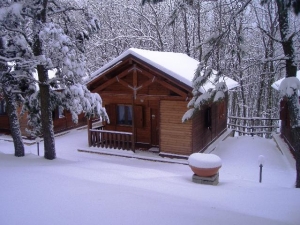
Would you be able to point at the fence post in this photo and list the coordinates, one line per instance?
(234, 127)
(252, 127)
(89, 127)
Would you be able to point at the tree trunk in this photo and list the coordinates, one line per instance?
(46, 111)
(186, 33)
(46, 114)
(14, 123)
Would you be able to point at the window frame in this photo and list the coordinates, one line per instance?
(128, 115)
(3, 107)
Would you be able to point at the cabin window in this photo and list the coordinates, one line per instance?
(207, 118)
(2, 107)
(61, 113)
(124, 115)
(58, 113)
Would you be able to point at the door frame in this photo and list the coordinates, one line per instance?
(155, 124)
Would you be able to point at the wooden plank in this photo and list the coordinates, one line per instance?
(110, 82)
(175, 136)
(115, 140)
(172, 88)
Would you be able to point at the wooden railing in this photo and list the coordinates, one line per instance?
(111, 139)
(253, 126)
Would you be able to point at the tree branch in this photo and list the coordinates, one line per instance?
(270, 36)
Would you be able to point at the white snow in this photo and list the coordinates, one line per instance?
(289, 86)
(178, 65)
(276, 84)
(204, 160)
(83, 188)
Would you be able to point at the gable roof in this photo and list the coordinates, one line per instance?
(178, 65)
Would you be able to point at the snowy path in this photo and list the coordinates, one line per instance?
(81, 188)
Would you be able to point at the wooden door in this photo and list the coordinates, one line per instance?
(154, 116)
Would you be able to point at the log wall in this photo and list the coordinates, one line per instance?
(59, 124)
(4, 123)
(204, 134)
(286, 129)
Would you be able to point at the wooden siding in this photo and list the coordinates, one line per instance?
(175, 136)
(286, 129)
(60, 124)
(66, 123)
(203, 135)
(4, 123)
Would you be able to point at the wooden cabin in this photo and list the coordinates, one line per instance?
(4, 121)
(62, 120)
(285, 128)
(145, 94)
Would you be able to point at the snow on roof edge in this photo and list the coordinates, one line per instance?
(277, 83)
(143, 55)
(137, 53)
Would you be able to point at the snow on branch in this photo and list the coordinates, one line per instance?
(188, 115)
(215, 89)
(78, 99)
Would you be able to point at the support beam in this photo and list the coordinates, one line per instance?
(111, 81)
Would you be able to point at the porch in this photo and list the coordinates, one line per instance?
(111, 139)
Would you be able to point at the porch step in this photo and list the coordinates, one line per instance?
(154, 150)
(149, 156)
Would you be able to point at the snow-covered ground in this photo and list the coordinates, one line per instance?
(84, 188)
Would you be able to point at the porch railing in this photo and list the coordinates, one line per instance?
(111, 139)
(253, 126)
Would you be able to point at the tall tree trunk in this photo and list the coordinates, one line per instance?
(14, 123)
(46, 114)
(13, 117)
(46, 111)
(186, 32)
(291, 71)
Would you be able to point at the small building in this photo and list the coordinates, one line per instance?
(146, 93)
(285, 128)
(4, 121)
(62, 120)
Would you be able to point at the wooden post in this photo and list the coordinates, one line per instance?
(133, 125)
(89, 126)
(260, 172)
(252, 127)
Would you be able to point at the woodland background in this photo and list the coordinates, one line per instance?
(250, 53)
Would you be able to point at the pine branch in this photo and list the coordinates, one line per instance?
(17, 31)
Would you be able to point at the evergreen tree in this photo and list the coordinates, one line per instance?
(48, 34)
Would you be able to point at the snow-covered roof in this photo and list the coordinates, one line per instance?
(178, 65)
(276, 84)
